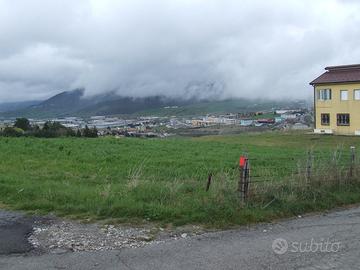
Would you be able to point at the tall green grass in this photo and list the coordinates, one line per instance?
(163, 180)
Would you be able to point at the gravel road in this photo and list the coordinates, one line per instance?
(324, 241)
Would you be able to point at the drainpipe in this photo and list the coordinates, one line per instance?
(314, 107)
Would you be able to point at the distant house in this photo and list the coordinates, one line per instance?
(337, 100)
(246, 122)
(283, 111)
(279, 119)
(266, 121)
(288, 116)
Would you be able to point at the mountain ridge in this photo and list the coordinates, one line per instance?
(75, 103)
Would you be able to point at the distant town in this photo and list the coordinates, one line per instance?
(157, 126)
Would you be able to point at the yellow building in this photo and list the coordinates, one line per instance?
(337, 100)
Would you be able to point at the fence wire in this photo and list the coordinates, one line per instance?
(336, 169)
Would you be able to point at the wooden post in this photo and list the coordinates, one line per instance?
(243, 185)
(352, 160)
(308, 167)
(247, 180)
(241, 181)
(208, 182)
(335, 168)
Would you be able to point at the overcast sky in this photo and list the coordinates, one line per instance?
(178, 48)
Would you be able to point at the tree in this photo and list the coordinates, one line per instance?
(86, 131)
(53, 130)
(90, 133)
(35, 128)
(70, 132)
(94, 132)
(47, 125)
(78, 133)
(22, 123)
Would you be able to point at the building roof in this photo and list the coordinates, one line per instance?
(339, 74)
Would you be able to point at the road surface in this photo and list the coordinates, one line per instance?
(326, 241)
(14, 229)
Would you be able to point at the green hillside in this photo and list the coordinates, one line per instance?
(223, 106)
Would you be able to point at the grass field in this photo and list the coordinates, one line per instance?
(163, 180)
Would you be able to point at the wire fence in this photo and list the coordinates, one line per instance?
(316, 169)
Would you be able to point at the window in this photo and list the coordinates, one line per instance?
(343, 119)
(324, 94)
(344, 95)
(357, 94)
(325, 119)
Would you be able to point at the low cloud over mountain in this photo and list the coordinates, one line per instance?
(180, 48)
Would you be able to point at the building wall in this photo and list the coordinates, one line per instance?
(336, 105)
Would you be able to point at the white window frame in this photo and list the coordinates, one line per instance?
(324, 94)
(344, 97)
(356, 91)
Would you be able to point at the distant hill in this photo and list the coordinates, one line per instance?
(60, 104)
(12, 106)
(226, 106)
(74, 103)
(128, 105)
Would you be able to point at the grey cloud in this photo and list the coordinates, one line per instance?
(178, 48)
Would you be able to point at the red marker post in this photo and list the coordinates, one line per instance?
(242, 162)
(244, 177)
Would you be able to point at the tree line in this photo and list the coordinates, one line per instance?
(23, 127)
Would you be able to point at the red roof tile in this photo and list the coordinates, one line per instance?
(339, 74)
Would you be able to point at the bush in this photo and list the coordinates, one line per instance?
(12, 132)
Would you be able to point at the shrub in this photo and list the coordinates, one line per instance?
(12, 132)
